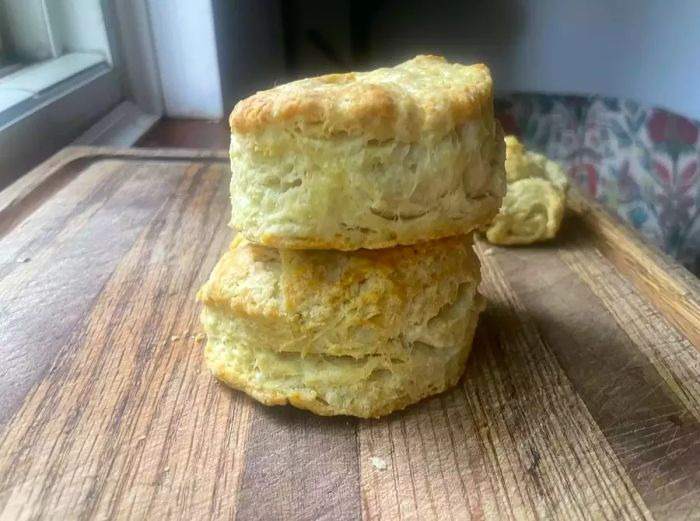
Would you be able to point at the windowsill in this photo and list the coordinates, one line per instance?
(23, 90)
(10, 97)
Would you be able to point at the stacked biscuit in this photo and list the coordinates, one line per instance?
(351, 287)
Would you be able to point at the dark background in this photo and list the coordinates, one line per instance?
(645, 51)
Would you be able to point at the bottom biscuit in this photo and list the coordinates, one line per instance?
(362, 333)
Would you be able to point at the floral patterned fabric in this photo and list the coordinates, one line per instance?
(640, 162)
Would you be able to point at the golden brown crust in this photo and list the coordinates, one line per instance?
(423, 94)
(307, 272)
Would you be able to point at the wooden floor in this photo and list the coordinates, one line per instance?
(187, 133)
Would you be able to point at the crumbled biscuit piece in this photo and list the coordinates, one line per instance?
(378, 463)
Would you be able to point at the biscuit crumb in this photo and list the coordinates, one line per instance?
(23, 259)
(175, 338)
(166, 469)
(378, 463)
(199, 337)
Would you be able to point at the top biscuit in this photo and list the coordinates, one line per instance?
(368, 160)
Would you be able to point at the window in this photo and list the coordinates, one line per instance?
(58, 76)
(47, 43)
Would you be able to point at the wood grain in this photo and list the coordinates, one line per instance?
(650, 430)
(516, 435)
(581, 399)
(672, 288)
(290, 449)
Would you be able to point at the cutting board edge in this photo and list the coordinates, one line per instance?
(22, 197)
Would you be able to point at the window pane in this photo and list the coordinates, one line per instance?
(27, 30)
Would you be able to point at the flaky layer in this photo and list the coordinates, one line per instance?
(367, 387)
(292, 191)
(521, 163)
(532, 211)
(343, 304)
(534, 205)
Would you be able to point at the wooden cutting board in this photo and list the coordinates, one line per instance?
(581, 399)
